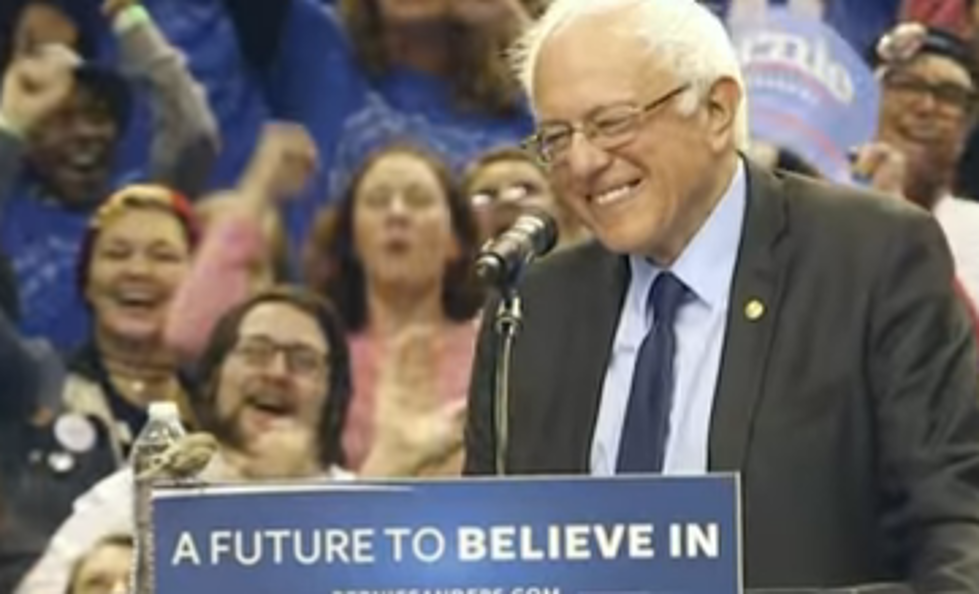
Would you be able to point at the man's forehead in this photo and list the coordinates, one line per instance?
(283, 322)
(580, 67)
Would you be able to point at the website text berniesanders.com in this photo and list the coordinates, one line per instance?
(531, 590)
(465, 544)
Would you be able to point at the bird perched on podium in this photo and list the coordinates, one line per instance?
(183, 460)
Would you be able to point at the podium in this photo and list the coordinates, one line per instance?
(482, 536)
(621, 535)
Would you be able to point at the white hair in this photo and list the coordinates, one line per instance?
(681, 35)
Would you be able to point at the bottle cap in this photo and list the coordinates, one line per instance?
(165, 411)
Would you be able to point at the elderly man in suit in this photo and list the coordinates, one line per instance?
(731, 319)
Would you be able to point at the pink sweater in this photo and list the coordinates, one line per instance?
(455, 365)
(220, 279)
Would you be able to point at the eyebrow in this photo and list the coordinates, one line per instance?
(287, 343)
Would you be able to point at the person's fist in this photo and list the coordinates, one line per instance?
(112, 8)
(882, 166)
(36, 85)
(283, 164)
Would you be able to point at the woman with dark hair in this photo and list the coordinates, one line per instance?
(366, 72)
(396, 256)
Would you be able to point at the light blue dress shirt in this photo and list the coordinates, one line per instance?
(706, 267)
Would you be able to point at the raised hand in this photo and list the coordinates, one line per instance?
(283, 164)
(112, 8)
(414, 427)
(36, 85)
(882, 165)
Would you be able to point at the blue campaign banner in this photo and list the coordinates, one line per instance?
(513, 536)
(808, 90)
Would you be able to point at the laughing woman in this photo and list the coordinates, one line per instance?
(395, 255)
(135, 255)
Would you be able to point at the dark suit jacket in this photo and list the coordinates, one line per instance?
(849, 408)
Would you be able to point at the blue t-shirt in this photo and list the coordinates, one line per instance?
(42, 240)
(203, 31)
(318, 82)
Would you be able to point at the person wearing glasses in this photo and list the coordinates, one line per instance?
(502, 183)
(276, 389)
(928, 109)
(732, 319)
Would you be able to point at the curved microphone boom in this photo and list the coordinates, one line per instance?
(502, 260)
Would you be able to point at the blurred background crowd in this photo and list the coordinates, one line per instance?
(191, 188)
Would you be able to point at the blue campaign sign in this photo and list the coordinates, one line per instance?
(523, 536)
(808, 90)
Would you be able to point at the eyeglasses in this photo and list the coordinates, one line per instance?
(300, 360)
(950, 95)
(607, 127)
(509, 194)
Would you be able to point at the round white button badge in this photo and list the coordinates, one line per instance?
(75, 433)
(61, 462)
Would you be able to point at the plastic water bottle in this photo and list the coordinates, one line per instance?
(162, 430)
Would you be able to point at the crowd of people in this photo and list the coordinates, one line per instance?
(190, 190)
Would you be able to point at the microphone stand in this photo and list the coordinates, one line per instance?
(507, 324)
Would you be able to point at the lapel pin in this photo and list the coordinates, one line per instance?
(754, 310)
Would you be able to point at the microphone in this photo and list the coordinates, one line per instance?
(502, 260)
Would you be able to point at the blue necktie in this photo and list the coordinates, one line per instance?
(643, 444)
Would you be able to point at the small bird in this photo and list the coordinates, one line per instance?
(183, 460)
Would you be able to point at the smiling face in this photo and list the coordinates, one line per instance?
(402, 223)
(927, 112)
(138, 261)
(275, 379)
(72, 150)
(647, 194)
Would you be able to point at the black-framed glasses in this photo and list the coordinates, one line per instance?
(607, 127)
(948, 94)
(301, 360)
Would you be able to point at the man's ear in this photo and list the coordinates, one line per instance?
(723, 103)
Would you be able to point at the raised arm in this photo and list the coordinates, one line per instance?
(33, 88)
(185, 134)
(235, 244)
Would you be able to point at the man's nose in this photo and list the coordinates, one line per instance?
(584, 158)
(279, 365)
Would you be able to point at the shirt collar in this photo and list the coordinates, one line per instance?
(706, 265)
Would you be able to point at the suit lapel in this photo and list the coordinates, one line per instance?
(599, 305)
(752, 317)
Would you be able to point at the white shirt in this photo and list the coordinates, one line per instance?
(959, 219)
(105, 510)
(706, 267)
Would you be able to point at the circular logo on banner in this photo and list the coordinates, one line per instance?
(75, 433)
